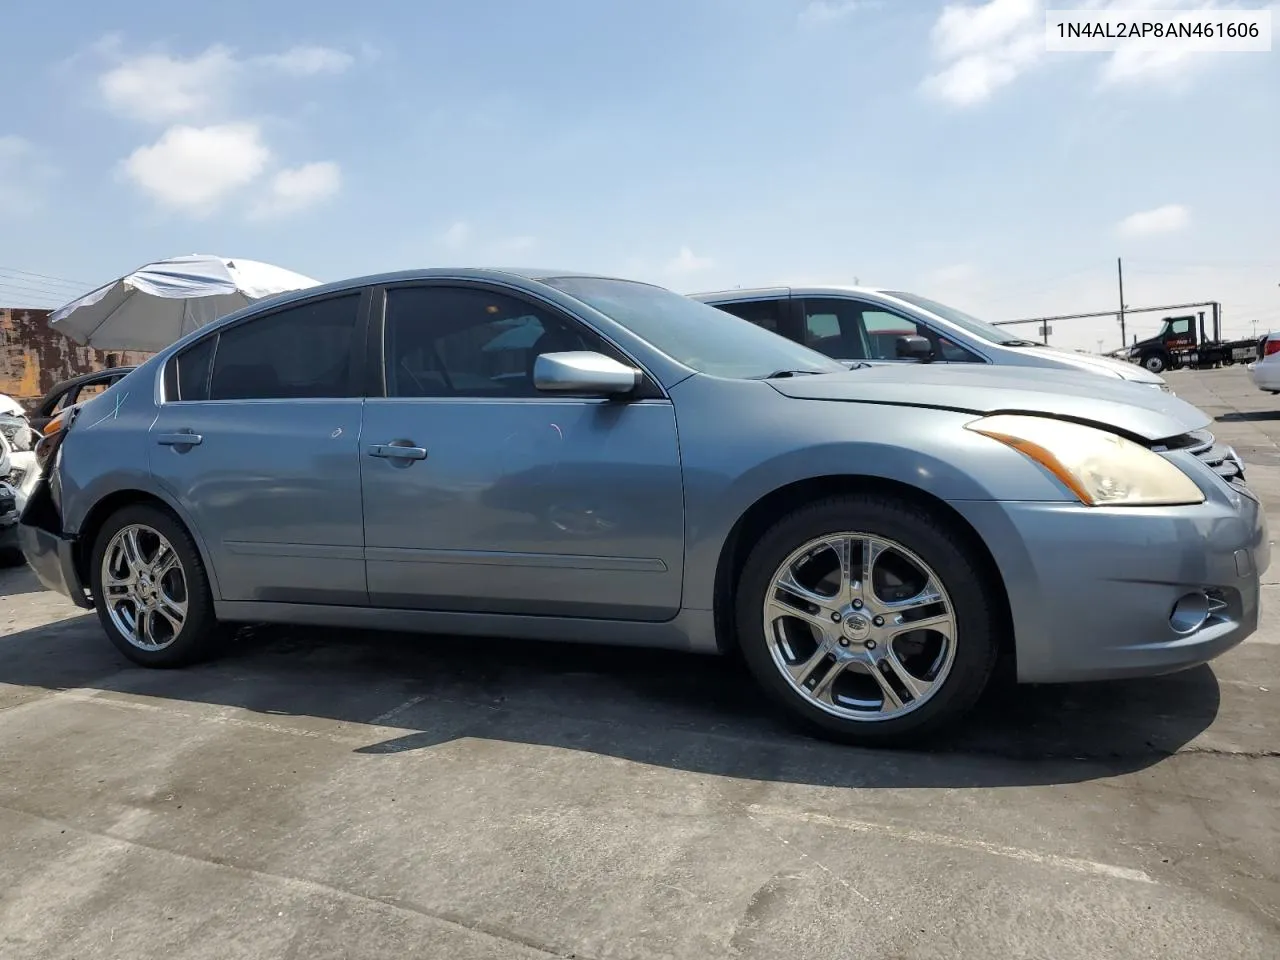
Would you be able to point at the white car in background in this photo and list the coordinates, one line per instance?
(1265, 371)
(20, 441)
(877, 326)
(10, 552)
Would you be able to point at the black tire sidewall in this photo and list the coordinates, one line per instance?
(200, 628)
(932, 539)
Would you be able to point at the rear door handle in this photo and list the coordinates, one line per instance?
(179, 439)
(397, 450)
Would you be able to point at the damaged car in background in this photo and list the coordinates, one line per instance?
(568, 457)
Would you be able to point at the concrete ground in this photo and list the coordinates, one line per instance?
(330, 794)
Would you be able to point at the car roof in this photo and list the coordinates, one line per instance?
(497, 274)
(803, 290)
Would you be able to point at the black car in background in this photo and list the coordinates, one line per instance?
(72, 391)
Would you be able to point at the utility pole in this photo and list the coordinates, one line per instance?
(1120, 277)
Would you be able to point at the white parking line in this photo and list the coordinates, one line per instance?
(911, 835)
(394, 712)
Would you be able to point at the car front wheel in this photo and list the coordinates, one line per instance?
(868, 618)
(150, 588)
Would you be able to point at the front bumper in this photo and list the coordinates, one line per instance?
(1092, 589)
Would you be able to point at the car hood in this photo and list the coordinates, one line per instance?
(1104, 365)
(1128, 408)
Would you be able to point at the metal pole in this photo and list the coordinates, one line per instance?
(1120, 277)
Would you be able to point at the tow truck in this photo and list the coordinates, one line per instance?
(1183, 342)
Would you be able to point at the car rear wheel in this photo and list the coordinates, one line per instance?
(867, 619)
(151, 590)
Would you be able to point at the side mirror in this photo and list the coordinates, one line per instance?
(584, 371)
(914, 348)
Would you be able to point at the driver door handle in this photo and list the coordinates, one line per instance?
(397, 450)
(185, 439)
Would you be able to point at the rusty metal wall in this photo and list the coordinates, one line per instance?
(33, 357)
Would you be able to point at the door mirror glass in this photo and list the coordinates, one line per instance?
(914, 348)
(583, 371)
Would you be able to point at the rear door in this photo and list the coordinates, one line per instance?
(258, 438)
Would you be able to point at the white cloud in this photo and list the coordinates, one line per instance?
(193, 169)
(687, 262)
(818, 12)
(1136, 66)
(985, 47)
(297, 188)
(306, 61)
(963, 30)
(158, 87)
(209, 151)
(1147, 223)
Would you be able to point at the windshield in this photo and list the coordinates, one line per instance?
(979, 328)
(699, 336)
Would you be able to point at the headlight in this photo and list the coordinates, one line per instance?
(1100, 468)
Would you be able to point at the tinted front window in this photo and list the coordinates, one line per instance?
(299, 352)
(699, 336)
(979, 328)
(857, 330)
(469, 342)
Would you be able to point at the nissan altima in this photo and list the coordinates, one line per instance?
(561, 456)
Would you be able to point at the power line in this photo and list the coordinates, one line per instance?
(9, 289)
(43, 276)
(35, 285)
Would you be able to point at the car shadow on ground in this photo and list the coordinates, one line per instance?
(695, 713)
(19, 579)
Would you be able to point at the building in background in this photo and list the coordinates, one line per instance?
(33, 357)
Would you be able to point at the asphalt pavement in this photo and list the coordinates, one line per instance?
(325, 794)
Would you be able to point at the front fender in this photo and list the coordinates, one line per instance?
(738, 452)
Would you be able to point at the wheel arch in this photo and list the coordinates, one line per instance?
(106, 506)
(767, 509)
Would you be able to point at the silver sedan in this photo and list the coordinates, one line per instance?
(581, 458)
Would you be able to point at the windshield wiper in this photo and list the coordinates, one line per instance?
(781, 374)
(1018, 343)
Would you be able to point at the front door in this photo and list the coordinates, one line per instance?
(258, 439)
(483, 495)
(847, 329)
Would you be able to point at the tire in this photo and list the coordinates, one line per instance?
(199, 630)
(11, 557)
(1154, 362)
(913, 535)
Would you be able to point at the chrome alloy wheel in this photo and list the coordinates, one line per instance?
(860, 626)
(144, 587)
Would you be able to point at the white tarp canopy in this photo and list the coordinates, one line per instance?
(163, 301)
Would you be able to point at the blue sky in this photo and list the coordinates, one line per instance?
(695, 143)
